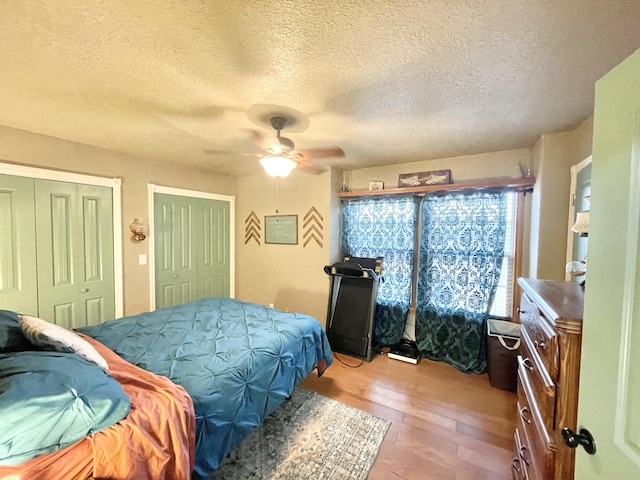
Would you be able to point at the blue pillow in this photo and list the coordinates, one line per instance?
(49, 400)
(11, 337)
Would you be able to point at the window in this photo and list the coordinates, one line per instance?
(503, 300)
(384, 227)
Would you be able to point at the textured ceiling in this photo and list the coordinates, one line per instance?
(387, 81)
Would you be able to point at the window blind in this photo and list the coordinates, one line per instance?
(502, 302)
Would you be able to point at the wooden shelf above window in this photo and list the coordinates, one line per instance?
(525, 183)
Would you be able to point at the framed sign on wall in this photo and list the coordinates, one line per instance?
(281, 229)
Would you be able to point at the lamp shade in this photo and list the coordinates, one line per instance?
(582, 223)
(277, 166)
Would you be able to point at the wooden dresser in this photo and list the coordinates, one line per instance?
(548, 377)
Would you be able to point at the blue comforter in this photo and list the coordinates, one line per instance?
(237, 360)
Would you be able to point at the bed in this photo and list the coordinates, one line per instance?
(155, 440)
(237, 360)
(199, 376)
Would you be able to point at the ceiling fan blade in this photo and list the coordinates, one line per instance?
(321, 152)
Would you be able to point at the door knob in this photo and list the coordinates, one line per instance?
(584, 438)
(84, 290)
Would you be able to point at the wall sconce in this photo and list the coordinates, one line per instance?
(137, 229)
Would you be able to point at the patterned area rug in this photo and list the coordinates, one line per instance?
(309, 436)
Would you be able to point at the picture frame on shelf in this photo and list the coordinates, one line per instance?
(377, 185)
(420, 179)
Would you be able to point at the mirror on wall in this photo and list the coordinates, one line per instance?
(578, 224)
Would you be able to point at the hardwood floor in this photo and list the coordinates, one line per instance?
(445, 424)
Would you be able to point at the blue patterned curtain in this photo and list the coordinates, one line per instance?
(460, 258)
(384, 227)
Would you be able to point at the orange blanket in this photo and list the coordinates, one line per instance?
(155, 441)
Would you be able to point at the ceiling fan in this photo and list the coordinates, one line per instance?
(279, 155)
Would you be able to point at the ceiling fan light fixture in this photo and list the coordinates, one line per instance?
(278, 166)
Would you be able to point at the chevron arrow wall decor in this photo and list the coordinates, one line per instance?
(252, 228)
(312, 227)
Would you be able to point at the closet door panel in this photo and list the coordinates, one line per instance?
(176, 272)
(213, 254)
(95, 213)
(18, 266)
(75, 253)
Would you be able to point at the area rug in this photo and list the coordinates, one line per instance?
(309, 436)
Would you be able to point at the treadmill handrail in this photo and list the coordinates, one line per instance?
(348, 269)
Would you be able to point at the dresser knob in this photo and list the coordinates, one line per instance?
(527, 364)
(515, 464)
(584, 438)
(539, 345)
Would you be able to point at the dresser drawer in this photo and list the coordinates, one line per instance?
(548, 373)
(537, 451)
(542, 387)
(518, 465)
(544, 339)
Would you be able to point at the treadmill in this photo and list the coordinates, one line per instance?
(352, 305)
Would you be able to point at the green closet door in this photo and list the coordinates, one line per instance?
(176, 269)
(213, 251)
(18, 268)
(192, 258)
(75, 253)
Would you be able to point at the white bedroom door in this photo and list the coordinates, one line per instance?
(609, 402)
